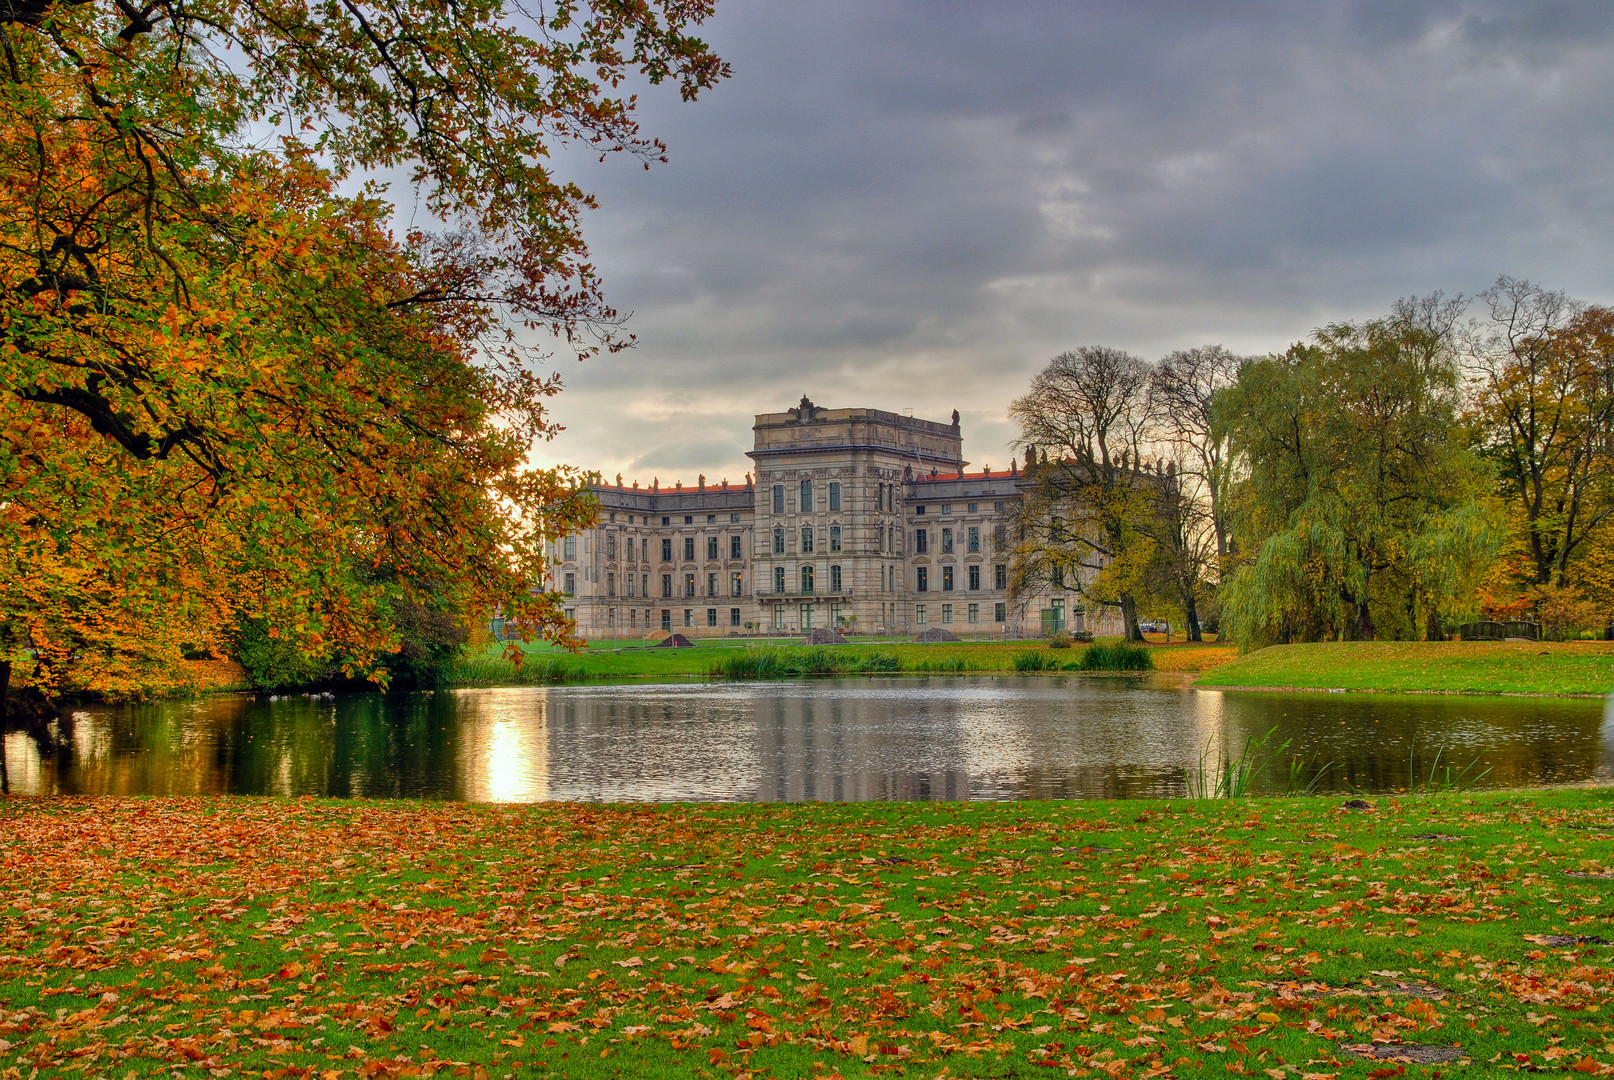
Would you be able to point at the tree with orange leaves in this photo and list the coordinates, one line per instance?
(226, 388)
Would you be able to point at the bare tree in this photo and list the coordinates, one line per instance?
(1182, 392)
(1086, 418)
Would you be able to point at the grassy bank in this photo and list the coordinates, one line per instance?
(318, 939)
(1477, 667)
(730, 659)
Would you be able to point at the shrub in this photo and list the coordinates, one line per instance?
(1035, 661)
(1121, 656)
(1059, 640)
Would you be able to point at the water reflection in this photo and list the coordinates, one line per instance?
(839, 740)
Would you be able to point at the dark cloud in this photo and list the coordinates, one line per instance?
(914, 205)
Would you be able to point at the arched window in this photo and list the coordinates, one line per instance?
(778, 579)
(806, 579)
(835, 579)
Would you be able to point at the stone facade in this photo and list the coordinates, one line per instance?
(859, 519)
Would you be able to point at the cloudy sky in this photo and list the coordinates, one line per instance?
(915, 205)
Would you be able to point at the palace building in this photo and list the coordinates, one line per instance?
(856, 519)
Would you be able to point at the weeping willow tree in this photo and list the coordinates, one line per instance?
(1361, 510)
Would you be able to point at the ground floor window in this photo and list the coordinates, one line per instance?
(711, 616)
(666, 620)
(689, 617)
(735, 583)
(975, 613)
(633, 616)
(807, 616)
(1000, 612)
(919, 614)
(947, 613)
(571, 613)
(610, 618)
(734, 616)
(779, 615)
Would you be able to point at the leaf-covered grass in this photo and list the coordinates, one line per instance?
(1475, 667)
(728, 658)
(238, 937)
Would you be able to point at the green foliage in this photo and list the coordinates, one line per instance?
(1036, 661)
(1115, 656)
(773, 662)
(496, 671)
(1059, 640)
(274, 661)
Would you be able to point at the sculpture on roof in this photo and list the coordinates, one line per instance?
(955, 417)
(700, 482)
(619, 481)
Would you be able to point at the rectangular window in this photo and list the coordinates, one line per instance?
(689, 584)
(711, 519)
(806, 579)
(835, 579)
(734, 547)
(919, 509)
(947, 541)
(666, 551)
(734, 616)
(610, 618)
(666, 619)
(1000, 578)
(806, 616)
(633, 616)
(644, 586)
(1000, 537)
(779, 615)
(689, 617)
(570, 588)
(975, 579)
(735, 582)
(666, 585)
(947, 579)
(711, 585)
(947, 508)
(711, 547)
(689, 549)
(778, 541)
(807, 539)
(711, 616)
(610, 584)
(920, 615)
(610, 544)
(834, 495)
(571, 614)
(947, 613)
(689, 519)
(999, 612)
(997, 507)
(778, 579)
(879, 539)
(922, 578)
(778, 498)
(806, 506)
(835, 538)
(734, 517)
(975, 538)
(975, 508)
(569, 548)
(629, 580)
(665, 520)
(974, 613)
(921, 541)
(1059, 577)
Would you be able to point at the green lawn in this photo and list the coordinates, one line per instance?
(1478, 667)
(242, 937)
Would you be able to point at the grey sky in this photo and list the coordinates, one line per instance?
(915, 205)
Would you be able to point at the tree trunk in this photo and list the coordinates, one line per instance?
(1129, 615)
(1191, 618)
(5, 687)
(1364, 622)
(1433, 630)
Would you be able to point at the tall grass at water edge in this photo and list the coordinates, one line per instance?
(497, 671)
(767, 663)
(1104, 656)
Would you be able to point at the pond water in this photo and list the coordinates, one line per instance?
(831, 739)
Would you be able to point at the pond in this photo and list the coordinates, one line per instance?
(829, 739)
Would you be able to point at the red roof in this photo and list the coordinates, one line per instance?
(984, 474)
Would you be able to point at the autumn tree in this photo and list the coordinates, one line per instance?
(1543, 372)
(1084, 424)
(1182, 397)
(226, 387)
(1360, 505)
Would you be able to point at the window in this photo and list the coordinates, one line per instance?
(806, 504)
(779, 617)
(629, 579)
(921, 541)
(734, 517)
(666, 551)
(689, 584)
(806, 616)
(666, 585)
(920, 615)
(974, 614)
(711, 586)
(689, 519)
(806, 579)
(947, 613)
(975, 538)
(610, 618)
(1059, 577)
(997, 508)
(689, 549)
(1000, 537)
(891, 538)
(999, 612)
(689, 617)
(571, 585)
(1000, 578)
(711, 519)
(879, 539)
(834, 495)
(835, 538)
(922, 578)
(975, 579)
(633, 616)
(665, 520)
(807, 539)
(947, 508)
(734, 616)
(947, 541)
(778, 541)
(919, 509)
(734, 547)
(610, 584)
(975, 508)
(711, 616)
(644, 585)
(711, 547)
(778, 579)
(778, 498)
(947, 579)
(835, 578)
(666, 619)
(610, 544)
(569, 548)
(735, 583)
